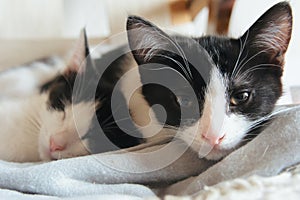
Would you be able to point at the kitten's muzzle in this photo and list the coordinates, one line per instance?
(55, 147)
(212, 139)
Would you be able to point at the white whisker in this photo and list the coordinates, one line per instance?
(242, 47)
(240, 67)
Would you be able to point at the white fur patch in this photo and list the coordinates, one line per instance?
(214, 108)
(24, 81)
(20, 129)
(215, 122)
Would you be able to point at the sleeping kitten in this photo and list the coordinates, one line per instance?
(235, 82)
(44, 125)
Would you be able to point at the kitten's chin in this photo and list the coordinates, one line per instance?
(45, 154)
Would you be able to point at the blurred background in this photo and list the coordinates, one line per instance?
(35, 29)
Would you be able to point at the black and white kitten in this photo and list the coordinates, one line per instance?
(239, 84)
(44, 126)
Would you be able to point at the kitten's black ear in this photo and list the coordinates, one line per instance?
(145, 39)
(272, 31)
(77, 62)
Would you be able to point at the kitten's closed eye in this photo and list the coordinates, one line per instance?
(184, 100)
(59, 94)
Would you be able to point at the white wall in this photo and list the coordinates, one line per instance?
(30, 19)
(32, 29)
(44, 19)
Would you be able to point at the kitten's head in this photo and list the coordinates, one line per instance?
(72, 109)
(237, 89)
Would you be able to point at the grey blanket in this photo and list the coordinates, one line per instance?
(149, 170)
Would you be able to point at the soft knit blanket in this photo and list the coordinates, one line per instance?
(150, 170)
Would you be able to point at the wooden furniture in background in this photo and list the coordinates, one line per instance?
(219, 13)
(219, 16)
(183, 11)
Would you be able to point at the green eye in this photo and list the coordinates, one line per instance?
(239, 98)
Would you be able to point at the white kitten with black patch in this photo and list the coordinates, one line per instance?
(33, 131)
(61, 120)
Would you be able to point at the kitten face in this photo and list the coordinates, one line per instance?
(61, 134)
(73, 112)
(240, 86)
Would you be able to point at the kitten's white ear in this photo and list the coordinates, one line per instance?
(145, 39)
(272, 31)
(77, 62)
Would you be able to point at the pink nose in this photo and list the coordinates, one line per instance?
(54, 146)
(212, 139)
